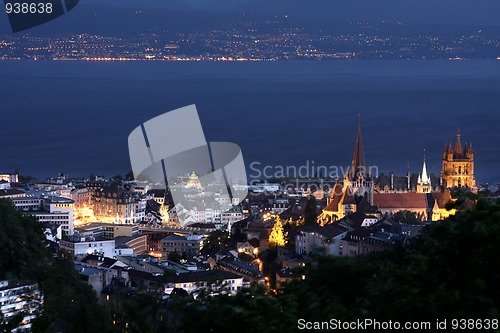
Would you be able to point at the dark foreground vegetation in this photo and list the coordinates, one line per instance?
(450, 271)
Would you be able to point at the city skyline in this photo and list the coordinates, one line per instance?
(249, 165)
(243, 37)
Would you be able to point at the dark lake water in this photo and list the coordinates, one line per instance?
(75, 117)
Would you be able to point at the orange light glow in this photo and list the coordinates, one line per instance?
(83, 215)
(156, 254)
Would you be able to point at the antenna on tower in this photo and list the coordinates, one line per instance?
(408, 177)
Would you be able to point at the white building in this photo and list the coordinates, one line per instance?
(280, 205)
(228, 218)
(214, 282)
(140, 187)
(212, 215)
(52, 210)
(11, 178)
(4, 184)
(140, 209)
(223, 200)
(123, 250)
(17, 297)
(53, 233)
(369, 220)
(268, 188)
(84, 246)
(199, 216)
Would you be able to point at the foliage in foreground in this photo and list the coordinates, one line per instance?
(70, 305)
(447, 272)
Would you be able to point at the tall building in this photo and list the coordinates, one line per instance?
(356, 194)
(458, 166)
(359, 180)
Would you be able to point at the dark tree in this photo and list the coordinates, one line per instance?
(406, 216)
(215, 241)
(174, 256)
(70, 305)
(310, 212)
(129, 176)
(446, 272)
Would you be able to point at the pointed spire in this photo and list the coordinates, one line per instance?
(425, 178)
(358, 160)
(458, 145)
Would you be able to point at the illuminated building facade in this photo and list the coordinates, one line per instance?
(359, 180)
(424, 181)
(113, 204)
(11, 178)
(18, 297)
(356, 194)
(458, 166)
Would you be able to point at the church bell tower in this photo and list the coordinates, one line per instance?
(458, 166)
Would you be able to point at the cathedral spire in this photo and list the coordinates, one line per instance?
(424, 181)
(458, 146)
(358, 161)
(425, 178)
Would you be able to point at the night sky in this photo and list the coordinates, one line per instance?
(76, 118)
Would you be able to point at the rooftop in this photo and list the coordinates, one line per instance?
(10, 284)
(400, 200)
(198, 276)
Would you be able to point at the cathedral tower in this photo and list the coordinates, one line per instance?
(358, 179)
(357, 191)
(458, 166)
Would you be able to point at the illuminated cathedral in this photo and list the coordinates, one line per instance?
(424, 194)
(356, 193)
(458, 166)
